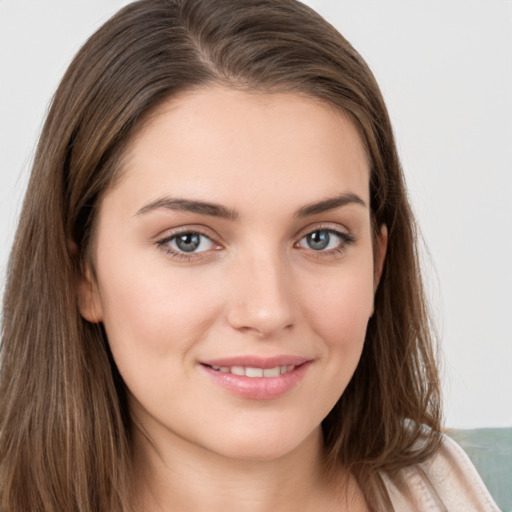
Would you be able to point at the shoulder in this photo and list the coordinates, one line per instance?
(446, 482)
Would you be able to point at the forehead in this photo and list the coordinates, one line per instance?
(220, 143)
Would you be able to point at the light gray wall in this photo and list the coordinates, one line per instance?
(445, 68)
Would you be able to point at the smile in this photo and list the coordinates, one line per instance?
(249, 371)
(257, 378)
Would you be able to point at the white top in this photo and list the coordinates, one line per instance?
(448, 482)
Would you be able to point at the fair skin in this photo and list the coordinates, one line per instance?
(234, 275)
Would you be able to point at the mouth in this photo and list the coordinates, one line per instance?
(254, 372)
(256, 378)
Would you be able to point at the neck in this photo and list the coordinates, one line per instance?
(192, 478)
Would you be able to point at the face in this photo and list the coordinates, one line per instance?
(234, 270)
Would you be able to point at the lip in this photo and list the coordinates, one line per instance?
(257, 388)
(258, 361)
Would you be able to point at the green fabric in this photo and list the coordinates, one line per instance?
(490, 450)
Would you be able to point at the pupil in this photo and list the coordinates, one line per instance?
(188, 242)
(318, 240)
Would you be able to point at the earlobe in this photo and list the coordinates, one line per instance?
(89, 302)
(382, 245)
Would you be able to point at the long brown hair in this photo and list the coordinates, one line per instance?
(65, 436)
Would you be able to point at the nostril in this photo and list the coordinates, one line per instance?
(262, 298)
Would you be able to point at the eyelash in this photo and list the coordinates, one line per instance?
(345, 240)
(181, 255)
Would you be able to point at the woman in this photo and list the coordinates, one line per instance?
(213, 300)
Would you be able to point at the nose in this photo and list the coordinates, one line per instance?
(261, 297)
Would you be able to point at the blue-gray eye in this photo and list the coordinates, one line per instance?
(190, 242)
(321, 240)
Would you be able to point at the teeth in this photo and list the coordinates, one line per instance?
(272, 372)
(255, 372)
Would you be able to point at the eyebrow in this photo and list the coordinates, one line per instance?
(188, 205)
(330, 204)
(217, 210)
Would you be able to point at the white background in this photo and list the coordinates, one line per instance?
(445, 68)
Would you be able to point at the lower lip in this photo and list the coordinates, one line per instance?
(258, 388)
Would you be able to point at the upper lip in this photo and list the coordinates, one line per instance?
(257, 361)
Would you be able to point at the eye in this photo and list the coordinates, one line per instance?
(187, 242)
(325, 240)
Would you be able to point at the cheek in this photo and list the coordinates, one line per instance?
(150, 313)
(339, 310)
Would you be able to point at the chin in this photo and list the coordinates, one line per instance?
(269, 444)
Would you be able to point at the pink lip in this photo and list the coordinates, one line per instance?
(257, 388)
(258, 361)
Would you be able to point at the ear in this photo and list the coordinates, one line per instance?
(89, 300)
(380, 254)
